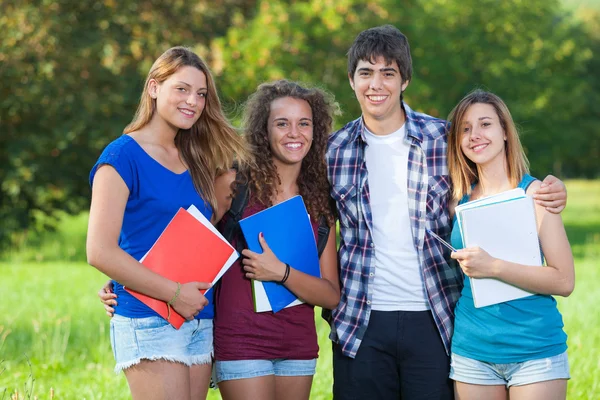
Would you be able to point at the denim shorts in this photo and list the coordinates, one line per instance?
(242, 369)
(153, 338)
(467, 370)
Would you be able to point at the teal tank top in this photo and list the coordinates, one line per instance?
(515, 331)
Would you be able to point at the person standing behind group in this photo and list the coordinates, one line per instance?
(167, 158)
(273, 355)
(516, 348)
(389, 178)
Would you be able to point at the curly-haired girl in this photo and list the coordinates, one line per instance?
(273, 355)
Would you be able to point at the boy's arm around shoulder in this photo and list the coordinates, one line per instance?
(551, 194)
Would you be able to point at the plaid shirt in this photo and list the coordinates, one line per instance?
(429, 193)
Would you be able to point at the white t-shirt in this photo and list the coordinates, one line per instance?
(398, 283)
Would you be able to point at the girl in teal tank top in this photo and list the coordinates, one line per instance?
(516, 348)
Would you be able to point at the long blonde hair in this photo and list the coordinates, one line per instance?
(463, 171)
(212, 143)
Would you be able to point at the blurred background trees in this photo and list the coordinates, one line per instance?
(71, 75)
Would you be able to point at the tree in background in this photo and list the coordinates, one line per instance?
(71, 73)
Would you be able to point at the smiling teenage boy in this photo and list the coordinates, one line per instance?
(389, 178)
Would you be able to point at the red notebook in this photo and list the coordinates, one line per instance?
(186, 251)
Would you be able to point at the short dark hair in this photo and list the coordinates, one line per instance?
(382, 41)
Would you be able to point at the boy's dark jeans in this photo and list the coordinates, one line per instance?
(401, 357)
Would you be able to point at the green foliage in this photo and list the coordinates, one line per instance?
(65, 243)
(72, 72)
(71, 77)
(51, 318)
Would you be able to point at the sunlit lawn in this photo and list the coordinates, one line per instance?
(54, 334)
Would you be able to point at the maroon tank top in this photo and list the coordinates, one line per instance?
(242, 334)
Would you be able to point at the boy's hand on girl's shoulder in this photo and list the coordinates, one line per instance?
(552, 194)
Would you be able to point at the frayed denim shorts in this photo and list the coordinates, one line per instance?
(242, 369)
(468, 370)
(153, 338)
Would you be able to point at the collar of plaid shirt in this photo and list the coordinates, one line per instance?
(429, 191)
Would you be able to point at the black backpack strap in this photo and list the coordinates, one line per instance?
(323, 235)
(230, 225)
(322, 238)
(326, 315)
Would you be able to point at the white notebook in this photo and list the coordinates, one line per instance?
(507, 230)
(261, 301)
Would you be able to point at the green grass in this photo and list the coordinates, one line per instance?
(52, 319)
(54, 334)
(66, 243)
(582, 320)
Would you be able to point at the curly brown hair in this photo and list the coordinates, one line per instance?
(262, 175)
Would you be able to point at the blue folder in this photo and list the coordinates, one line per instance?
(288, 232)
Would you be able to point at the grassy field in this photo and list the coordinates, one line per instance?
(54, 334)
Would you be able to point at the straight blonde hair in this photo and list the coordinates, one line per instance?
(463, 171)
(212, 143)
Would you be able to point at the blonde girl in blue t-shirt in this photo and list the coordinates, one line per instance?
(167, 158)
(515, 349)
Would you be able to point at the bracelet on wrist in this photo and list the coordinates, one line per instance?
(173, 299)
(286, 275)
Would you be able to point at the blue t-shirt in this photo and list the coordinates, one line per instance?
(155, 195)
(514, 331)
